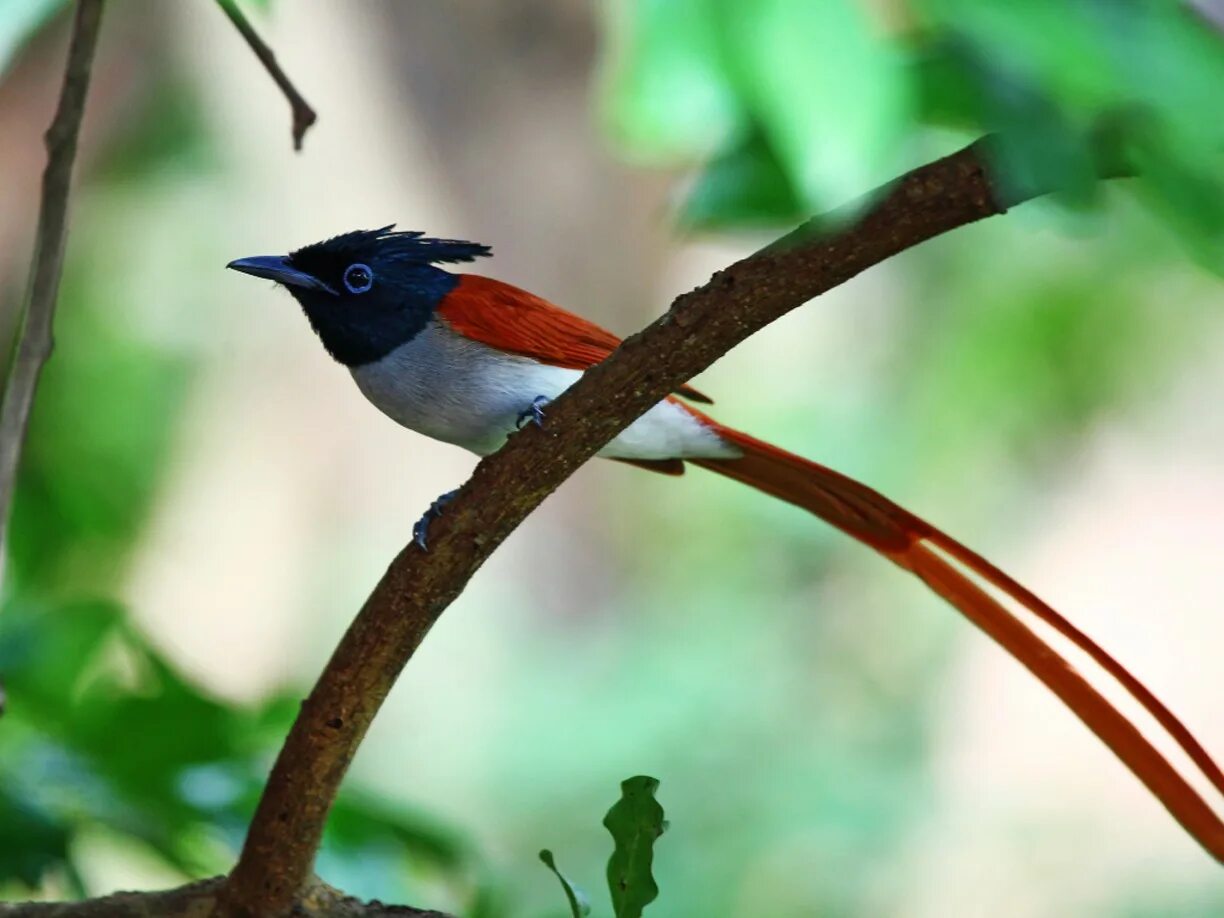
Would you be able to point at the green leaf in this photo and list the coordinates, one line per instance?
(579, 906)
(946, 94)
(1034, 143)
(1188, 195)
(92, 466)
(746, 186)
(1046, 74)
(19, 21)
(360, 820)
(743, 187)
(635, 821)
(666, 94)
(1035, 147)
(33, 842)
(831, 96)
(46, 652)
(138, 748)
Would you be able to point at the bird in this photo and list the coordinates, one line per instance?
(468, 360)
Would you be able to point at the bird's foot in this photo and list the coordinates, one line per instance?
(534, 414)
(420, 530)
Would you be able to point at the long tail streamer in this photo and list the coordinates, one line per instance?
(918, 547)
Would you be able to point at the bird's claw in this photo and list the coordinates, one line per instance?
(534, 413)
(420, 529)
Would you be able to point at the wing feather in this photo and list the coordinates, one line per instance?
(511, 319)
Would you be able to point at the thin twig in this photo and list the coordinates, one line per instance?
(303, 115)
(699, 328)
(34, 341)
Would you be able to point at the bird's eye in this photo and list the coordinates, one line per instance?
(358, 278)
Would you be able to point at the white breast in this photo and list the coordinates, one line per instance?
(461, 392)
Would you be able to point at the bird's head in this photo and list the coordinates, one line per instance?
(368, 291)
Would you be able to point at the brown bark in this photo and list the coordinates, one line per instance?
(699, 328)
(197, 899)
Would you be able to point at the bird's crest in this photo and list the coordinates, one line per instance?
(409, 247)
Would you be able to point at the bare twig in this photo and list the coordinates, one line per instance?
(700, 327)
(196, 899)
(303, 115)
(34, 342)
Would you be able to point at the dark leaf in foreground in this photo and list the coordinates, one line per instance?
(635, 821)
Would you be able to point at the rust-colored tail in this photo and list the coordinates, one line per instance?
(908, 541)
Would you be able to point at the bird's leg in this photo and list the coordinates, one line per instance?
(534, 413)
(420, 530)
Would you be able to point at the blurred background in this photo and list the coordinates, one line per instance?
(206, 499)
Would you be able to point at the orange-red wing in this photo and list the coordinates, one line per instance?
(511, 319)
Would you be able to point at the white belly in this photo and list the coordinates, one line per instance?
(461, 392)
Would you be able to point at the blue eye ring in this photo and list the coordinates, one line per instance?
(358, 278)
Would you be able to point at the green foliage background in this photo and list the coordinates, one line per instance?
(773, 110)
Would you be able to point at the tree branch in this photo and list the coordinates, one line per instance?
(196, 899)
(303, 115)
(34, 341)
(699, 328)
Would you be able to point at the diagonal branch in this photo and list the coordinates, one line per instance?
(699, 328)
(303, 115)
(34, 341)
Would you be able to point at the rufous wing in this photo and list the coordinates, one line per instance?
(512, 320)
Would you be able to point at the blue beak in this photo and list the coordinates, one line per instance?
(277, 268)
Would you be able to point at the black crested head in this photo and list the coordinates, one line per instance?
(382, 248)
(368, 291)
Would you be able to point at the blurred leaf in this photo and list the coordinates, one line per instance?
(1174, 64)
(44, 653)
(578, 903)
(829, 94)
(666, 94)
(1096, 55)
(746, 186)
(358, 820)
(945, 91)
(19, 21)
(635, 822)
(1188, 195)
(111, 734)
(1034, 149)
(1046, 75)
(90, 467)
(126, 736)
(1034, 144)
(802, 107)
(33, 842)
(170, 138)
(381, 851)
(695, 78)
(1053, 43)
